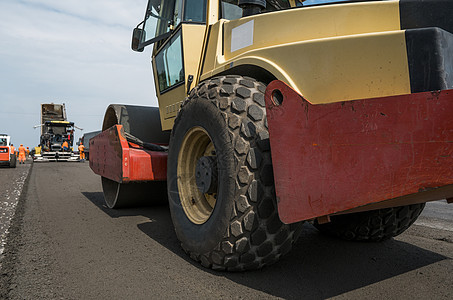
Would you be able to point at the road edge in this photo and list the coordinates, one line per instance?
(13, 241)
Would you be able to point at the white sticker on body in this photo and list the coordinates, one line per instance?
(242, 36)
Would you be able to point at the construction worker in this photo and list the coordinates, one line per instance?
(13, 150)
(28, 152)
(45, 146)
(21, 154)
(38, 149)
(70, 133)
(65, 146)
(81, 152)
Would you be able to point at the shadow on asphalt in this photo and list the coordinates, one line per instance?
(317, 267)
(17, 165)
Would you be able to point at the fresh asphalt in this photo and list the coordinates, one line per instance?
(11, 184)
(64, 243)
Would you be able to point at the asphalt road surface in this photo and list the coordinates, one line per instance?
(11, 184)
(64, 243)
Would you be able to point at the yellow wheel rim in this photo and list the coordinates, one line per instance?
(197, 206)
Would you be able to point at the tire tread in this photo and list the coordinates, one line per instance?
(372, 226)
(256, 237)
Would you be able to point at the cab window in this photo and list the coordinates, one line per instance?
(169, 64)
(178, 13)
(230, 10)
(161, 17)
(195, 11)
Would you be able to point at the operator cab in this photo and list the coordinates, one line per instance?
(178, 30)
(56, 133)
(163, 17)
(170, 25)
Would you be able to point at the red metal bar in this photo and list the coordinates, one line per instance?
(4, 154)
(335, 157)
(113, 157)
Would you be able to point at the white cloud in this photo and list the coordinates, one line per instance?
(77, 52)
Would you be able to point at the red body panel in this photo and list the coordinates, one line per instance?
(334, 157)
(4, 153)
(113, 157)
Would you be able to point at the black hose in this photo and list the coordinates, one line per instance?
(148, 146)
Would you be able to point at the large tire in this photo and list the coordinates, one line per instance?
(12, 161)
(237, 227)
(372, 226)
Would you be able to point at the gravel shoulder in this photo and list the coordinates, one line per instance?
(12, 182)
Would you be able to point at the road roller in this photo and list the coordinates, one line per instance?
(279, 112)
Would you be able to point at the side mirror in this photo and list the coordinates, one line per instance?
(137, 36)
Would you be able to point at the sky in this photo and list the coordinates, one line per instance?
(75, 52)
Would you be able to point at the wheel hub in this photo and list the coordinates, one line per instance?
(206, 174)
(197, 193)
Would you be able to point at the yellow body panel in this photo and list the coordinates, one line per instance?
(327, 53)
(311, 23)
(193, 37)
(213, 56)
(169, 104)
(338, 69)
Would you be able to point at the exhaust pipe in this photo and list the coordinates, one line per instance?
(251, 7)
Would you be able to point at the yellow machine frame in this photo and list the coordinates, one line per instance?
(350, 51)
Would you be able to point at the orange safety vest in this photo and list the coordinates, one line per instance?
(22, 150)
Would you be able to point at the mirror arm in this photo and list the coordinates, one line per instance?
(138, 25)
(156, 39)
(157, 17)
